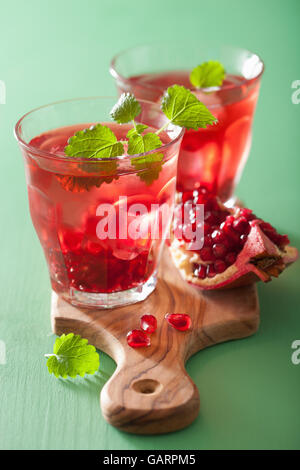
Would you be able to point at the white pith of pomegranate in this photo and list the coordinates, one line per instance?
(238, 248)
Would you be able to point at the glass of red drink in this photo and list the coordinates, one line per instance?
(214, 156)
(93, 217)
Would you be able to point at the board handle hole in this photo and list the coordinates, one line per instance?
(147, 386)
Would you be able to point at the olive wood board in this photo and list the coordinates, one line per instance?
(150, 391)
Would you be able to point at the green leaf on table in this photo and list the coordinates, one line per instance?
(97, 142)
(148, 166)
(126, 109)
(183, 109)
(209, 74)
(137, 130)
(72, 356)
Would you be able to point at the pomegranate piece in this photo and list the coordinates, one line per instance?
(238, 249)
(179, 321)
(148, 323)
(138, 339)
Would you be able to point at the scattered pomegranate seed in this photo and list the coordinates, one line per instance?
(148, 323)
(138, 339)
(179, 321)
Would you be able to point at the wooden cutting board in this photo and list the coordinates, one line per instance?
(150, 391)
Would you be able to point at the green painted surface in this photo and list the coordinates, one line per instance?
(249, 388)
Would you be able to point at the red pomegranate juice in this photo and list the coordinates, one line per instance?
(64, 199)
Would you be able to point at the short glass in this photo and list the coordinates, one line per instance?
(214, 156)
(94, 218)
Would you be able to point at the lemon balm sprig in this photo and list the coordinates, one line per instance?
(208, 74)
(183, 109)
(180, 106)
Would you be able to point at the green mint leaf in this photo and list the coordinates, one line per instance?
(96, 142)
(126, 109)
(184, 109)
(72, 355)
(137, 130)
(148, 166)
(143, 143)
(208, 74)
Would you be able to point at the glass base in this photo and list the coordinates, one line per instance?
(113, 299)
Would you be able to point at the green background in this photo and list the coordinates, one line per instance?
(52, 50)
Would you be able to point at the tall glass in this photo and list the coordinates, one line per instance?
(214, 156)
(94, 218)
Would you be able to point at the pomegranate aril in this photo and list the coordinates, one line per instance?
(283, 240)
(207, 240)
(232, 235)
(271, 232)
(279, 240)
(228, 221)
(218, 236)
(207, 228)
(219, 250)
(210, 271)
(148, 323)
(220, 266)
(241, 225)
(268, 227)
(210, 218)
(206, 254)
(247, 213)
(230, 258)
(243, 239)
(138, 339)
(200, 271)
(179, 321)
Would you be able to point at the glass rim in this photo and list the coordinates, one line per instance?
(66, 159)
(117, 76)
